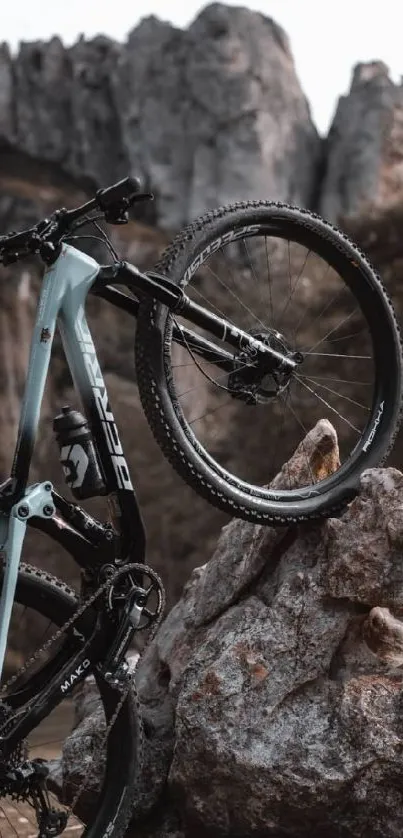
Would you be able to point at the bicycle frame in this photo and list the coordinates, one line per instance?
(66, 284)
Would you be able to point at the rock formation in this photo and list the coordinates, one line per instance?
(208, 115)
(271, 693)
(365, 146)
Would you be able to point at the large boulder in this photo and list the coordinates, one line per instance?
(271, 695)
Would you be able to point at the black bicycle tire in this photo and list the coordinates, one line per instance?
(153, 375)
(55, 600)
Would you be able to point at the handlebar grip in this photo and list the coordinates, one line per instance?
(112, 195)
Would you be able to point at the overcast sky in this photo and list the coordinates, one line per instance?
(327, 38)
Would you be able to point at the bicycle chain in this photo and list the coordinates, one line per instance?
(130, 686)
(135, 567)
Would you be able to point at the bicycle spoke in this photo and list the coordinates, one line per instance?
(348, 337)
(325, 308)
(335, 393)
(208, 413)
(339, 355)
(235, 296)
(250, 261)
(289, 265)
(209, 303)
(41, 639)
(292, 293)
(192, 363)
(314, 393)
(211, 380)
(301, 424)
(284, 398)
(340, 380)
(322, 340)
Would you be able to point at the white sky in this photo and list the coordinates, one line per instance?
(327, 38)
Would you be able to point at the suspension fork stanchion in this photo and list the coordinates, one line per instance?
(229, 333)
(207, 350)
(152, 285)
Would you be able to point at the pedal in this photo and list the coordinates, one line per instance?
(120, 677)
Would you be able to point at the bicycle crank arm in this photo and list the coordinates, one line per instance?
(113, 668)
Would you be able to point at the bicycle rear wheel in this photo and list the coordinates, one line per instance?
(296, 282)
(42, 605)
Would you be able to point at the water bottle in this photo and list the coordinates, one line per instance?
(78, 455)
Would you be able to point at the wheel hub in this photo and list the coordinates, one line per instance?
(258, 379)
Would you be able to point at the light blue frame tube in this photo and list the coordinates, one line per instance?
(65, 287)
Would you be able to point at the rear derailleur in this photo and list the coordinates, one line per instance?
(27, 781)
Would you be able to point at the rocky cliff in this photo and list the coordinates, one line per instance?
(364, 149)
(207, 115)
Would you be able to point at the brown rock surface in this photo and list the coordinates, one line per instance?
(269, 709)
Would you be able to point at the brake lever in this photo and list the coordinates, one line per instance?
(119, 213)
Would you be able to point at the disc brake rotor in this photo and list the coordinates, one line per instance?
(256, 380)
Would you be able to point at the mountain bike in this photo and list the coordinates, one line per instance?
(260, 313)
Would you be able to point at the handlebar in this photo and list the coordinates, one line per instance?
(45, 237)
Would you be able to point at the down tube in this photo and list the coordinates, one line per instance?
(38, 365)
(89, 383)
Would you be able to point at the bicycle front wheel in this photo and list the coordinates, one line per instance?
(106, 774)
(297, 283)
